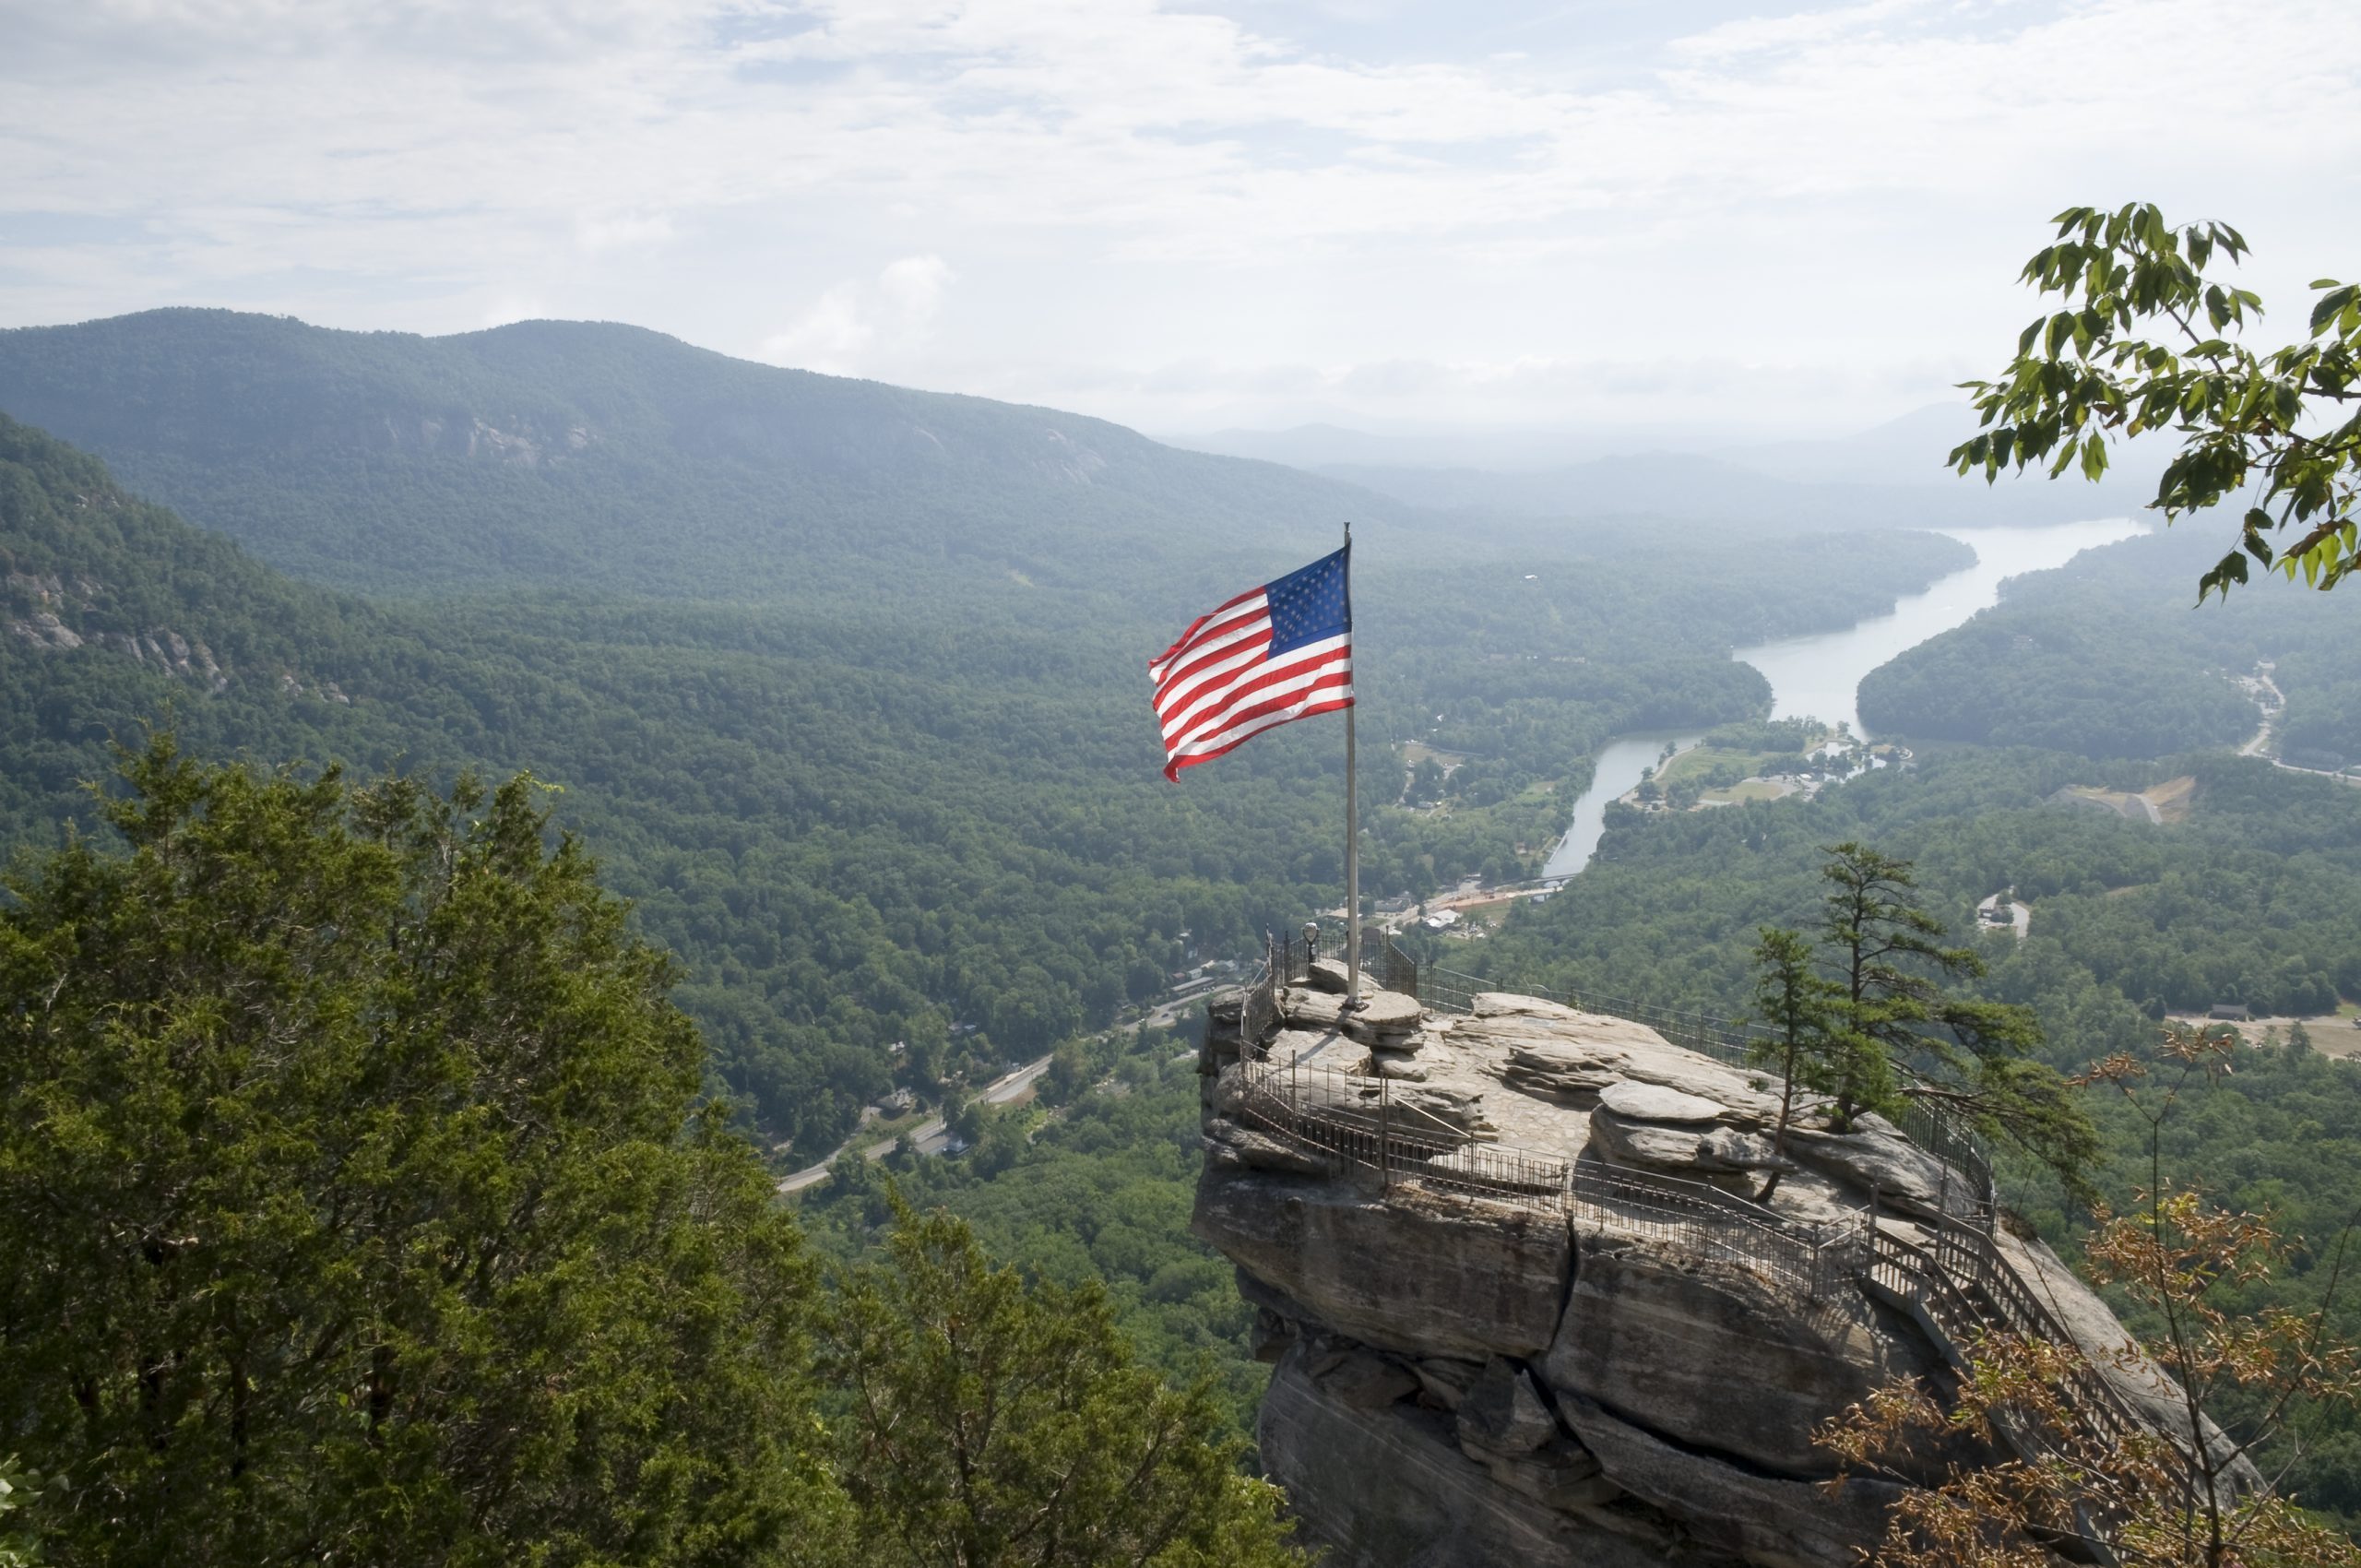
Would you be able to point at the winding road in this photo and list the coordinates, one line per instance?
(930, 1136)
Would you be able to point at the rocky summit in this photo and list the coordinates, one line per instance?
(1523, 1311)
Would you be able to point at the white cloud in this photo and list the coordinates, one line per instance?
(1130, 187)
(853, 325)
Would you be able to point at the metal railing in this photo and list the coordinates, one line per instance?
(1356, 1121)
(1957, 1282)
(1962, 1288)
(1704, 1220)
(1382, 961)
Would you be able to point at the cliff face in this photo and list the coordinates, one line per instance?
(1576, 1352)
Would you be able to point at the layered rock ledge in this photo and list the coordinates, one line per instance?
(1474, 1369)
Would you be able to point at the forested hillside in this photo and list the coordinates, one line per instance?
(610, 457)
(887, 817)
(2110, 656)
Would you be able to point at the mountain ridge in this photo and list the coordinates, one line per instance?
(608, 455)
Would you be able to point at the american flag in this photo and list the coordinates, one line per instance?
(1279, 652)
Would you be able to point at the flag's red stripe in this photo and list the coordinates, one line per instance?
(1198, 717)
(1338, 678)
(1248, 639)
(1234, 674)
(1216, 613)
(1173, 766)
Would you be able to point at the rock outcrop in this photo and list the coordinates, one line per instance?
(1489, 1349)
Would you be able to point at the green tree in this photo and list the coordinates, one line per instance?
(1902, 1033)
(19, 1546)
(1805, 1049)
(359, 1201)
(992, 1425)
(2144, 341)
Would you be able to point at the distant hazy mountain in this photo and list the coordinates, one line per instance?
(1910, 451)
(1687, 488)
(1891, 475)
(1322, 445)
(608, 457)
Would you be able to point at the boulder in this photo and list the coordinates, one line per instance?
(1557, 1053)
(1423, 1273)
(1713, 1357)
(1387, 1064)
(1439, 1108)
(1367, 1381)
(1873, 1156)
(1768, 1520)
(1324, 1049)
(1647, 1145)
(1727, 1149)
(1269, 1336)
(1656, 1102)
(1390, 1489)
(1722, 1156)
(1233, 1143)
(1503, 1414)
(1561, 1474)
(1328, 974)
(1383, 1017)
(1446, 1379)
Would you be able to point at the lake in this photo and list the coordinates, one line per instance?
(1819, 676)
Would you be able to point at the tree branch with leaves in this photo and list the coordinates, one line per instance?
(2185, 1494)
(2146, 340)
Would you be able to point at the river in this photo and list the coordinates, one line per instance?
(1819, 676)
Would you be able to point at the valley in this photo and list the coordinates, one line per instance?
(898, 814)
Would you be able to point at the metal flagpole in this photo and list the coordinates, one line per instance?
(1352, 828)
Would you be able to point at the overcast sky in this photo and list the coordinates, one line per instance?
(1761, 217)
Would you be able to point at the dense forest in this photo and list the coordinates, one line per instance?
(364, 1205)
(2110, 657)
(862, 737)
(921, 815)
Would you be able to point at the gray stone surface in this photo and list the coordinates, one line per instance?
(1391, 1490)
(1383, 1016)
(1366, 1380)
(1561, 1474)
(1446, 1379)
(1906, 1176)
(1573, 1057)
(1655, 1102)
(1231, 1142)
(1648, 1146)
(1328, 974)
(1453, 1391)
(1720, 1154)
(1323, 1048)
(1419, 1274)
(1774, 1522)
(1503, 1414)
(1713, 1357)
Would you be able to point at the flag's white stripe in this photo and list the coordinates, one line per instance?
(1223, 719)
(1219, 625)
(1213, 683)
(1232, 635)
(1213, 662)
(1240, 691)
(1215, 740)
(1179, 720)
